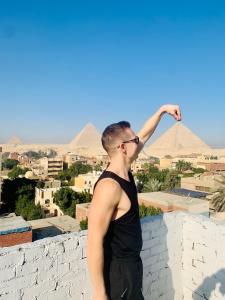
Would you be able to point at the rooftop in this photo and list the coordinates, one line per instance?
(189, 193)
(173, 201)
(13, 224)
(49, 227)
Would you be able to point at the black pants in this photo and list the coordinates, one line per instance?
(123, 279)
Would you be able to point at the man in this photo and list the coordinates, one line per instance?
(114, 230)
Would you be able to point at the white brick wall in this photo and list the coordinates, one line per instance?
(203, 269)
(183, 257)
(51, 268)
(162, 257)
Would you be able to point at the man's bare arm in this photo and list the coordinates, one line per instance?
(149, 127)
(105, 200)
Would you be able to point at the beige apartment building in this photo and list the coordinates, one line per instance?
(170, 163)
(203, 182)
(138, 164)
(44, 197)
(71, 158)
(212, 166)
(86, 182)
(51, 166)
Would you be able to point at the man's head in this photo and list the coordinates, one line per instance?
(119, 138)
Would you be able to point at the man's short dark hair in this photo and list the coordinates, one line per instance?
(111, 133)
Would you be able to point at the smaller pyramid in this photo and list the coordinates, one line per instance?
(14, 141)
(87, 142)
(177, 140)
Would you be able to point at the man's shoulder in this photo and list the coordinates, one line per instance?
(107, 183)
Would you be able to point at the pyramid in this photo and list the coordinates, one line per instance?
(177, 140)
(87, 142)
(14, 141)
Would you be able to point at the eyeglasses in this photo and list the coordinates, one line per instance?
(135, 140)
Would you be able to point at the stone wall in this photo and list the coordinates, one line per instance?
(183, 258)
(203, 262)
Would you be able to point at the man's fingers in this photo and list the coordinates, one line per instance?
(177, 114)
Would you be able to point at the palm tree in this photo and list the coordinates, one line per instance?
(152, 185)
(182, 165)
(218, 200)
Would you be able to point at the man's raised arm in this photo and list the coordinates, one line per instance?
(151, 124)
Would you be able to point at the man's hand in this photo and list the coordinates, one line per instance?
(149, 127)
(173, 110)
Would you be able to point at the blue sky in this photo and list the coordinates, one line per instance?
(66, 63)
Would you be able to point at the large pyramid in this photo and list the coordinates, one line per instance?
(87, 142)
(14, 141)
(177, 140)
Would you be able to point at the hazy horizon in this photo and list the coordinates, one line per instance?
(154, 137)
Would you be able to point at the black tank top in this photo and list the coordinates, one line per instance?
(123, 239)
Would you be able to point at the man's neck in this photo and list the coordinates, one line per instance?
(120, 167)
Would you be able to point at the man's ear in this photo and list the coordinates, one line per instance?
(123, 148)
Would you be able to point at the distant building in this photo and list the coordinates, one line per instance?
(202, 182)
(212, 166)
(170, 162)
(51, 166)
(103, 160)
(70, 158)
(14, 230)
(49, 227)
(138, 164)
(44, 197)
(13, 155)
(165, 163)
(24, 160)
(52, 184)
(82, 211)
(169, 202)
(86, 182)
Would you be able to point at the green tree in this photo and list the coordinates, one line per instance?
(198, 170)
(171, 180)
(40, 184)
(148, 211)
(182, 165)
(26, 191)
(9, 164)
(218, 200)
(40, 154)
(151, 178)
(98, 167)
(27, 208)
(64, 197)
(16, 171)
(84, 224)
(152, 185)
(67, 199)
(32, 154)
(77, 168)
(12, 189)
